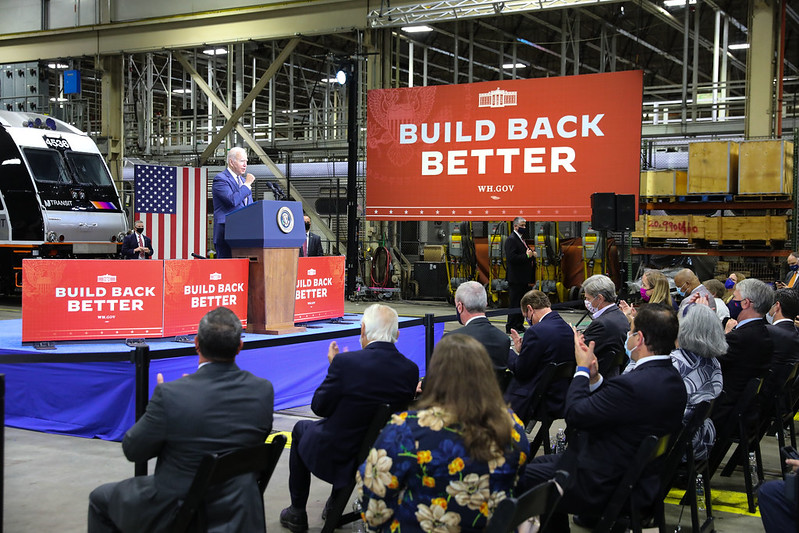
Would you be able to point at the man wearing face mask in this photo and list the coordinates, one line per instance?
(470, 305)
(520, 260)
(784, 337)
(610, 417)
(312, 247)
(749, 353)
(690, 289)
(548, 340)
(137, 245)
(793, 272)
(609, 326)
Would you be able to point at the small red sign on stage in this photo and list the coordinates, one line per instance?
(67, 299)
(192, 288)
(320, 288)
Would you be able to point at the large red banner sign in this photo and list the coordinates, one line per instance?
(536, 148)
(66, 299)
(320, 288)
(192, 288)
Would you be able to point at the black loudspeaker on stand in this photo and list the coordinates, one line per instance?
(612, 212)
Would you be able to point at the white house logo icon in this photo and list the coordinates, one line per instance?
(106, 278)
(497, 98)
(311, 271)
(216, 276)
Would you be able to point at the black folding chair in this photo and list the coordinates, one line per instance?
(624, 497)
(538, 406)
(218, 468)
(613, 365)
(504, 377)
(783, 409)
(335, 517)
(538, 501)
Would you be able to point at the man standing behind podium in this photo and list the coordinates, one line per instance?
(232, 190)
(137, 245)
(313, 242)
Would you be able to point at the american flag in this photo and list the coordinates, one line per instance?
(172, 203)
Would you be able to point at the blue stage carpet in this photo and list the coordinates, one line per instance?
(87, 389)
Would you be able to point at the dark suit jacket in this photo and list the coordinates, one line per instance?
(314, 245)
(519, 266)
(217, 409)
(355, 384)
(131, 242)
(748, 356)
(609, 332)
(495, 341)
(611, 423)
(549, 341)
(785, 339)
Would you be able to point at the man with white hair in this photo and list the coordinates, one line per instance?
(356, 383)
(470, 305)
(232, 190)
(609, 326)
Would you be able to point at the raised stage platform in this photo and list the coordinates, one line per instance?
(87, 389)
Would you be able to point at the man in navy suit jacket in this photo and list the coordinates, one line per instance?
(549, 340)
(785, 340)
(470, 305)
(609, 325)
(313, 242)
(608, 419)
(132, 249)
(232, 190)
(356, 383)
(520, 260)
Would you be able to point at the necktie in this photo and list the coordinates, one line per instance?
(246, 200)
(305, 248)
(141, 245)
(793, 280)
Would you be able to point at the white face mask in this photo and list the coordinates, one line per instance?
(770, 317)
(589, 305)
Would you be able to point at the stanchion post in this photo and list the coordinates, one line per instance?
(2, 446)
(141, 358)
(429, 337)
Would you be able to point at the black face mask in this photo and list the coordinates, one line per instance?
(458, 314)
(522, 232)
(307, 226)
(139, 230)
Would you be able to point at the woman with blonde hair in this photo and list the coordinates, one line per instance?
(654, 289)
(445, 466)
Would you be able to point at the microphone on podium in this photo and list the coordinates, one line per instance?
(198, 256)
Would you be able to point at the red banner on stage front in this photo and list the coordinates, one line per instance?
(192, 288)
(320, 288)
(536, 148)
(67, 299)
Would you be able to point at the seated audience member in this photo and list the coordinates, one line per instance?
(608, 326)
(792, 277)
(549, 340)
(777, 510)
(445, 466)
(470, 305)
(784, 337)
(217, 409)
(655, 288)
(716, 288)
(356, 383)
(701, 341)
(749, 349)
(611, 417)
(733, 306)
(689, 288)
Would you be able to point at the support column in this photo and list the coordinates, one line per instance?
(760, 69)
(111, 123)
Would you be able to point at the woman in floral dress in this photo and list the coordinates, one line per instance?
(444, 467)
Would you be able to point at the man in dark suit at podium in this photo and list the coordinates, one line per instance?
(312, 247)
(356, 383)
(232, 189)
(519, 274)
(218, 408)
(137, 245)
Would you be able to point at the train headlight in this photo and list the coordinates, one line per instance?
(51, 236)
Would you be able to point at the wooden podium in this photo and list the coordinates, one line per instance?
(269, 234)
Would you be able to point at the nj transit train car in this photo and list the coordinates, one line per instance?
(57, 198)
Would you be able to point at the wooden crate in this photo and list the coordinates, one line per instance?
(663, 183)
(713, 167)
(765, 167)
(756, 228)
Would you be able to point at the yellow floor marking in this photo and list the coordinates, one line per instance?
(286, 433)
(723, 500)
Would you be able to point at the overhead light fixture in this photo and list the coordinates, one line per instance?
(329, 80)
(341, 76)
(678, 3)
(416, 29)
(511, 66)
(738, 46)
(58, 65)
(181, 91)
(215, 51)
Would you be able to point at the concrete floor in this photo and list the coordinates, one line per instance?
(48, 478)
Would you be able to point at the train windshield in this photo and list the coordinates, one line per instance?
(48, 166)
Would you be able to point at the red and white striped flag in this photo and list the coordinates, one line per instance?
(172, 203)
